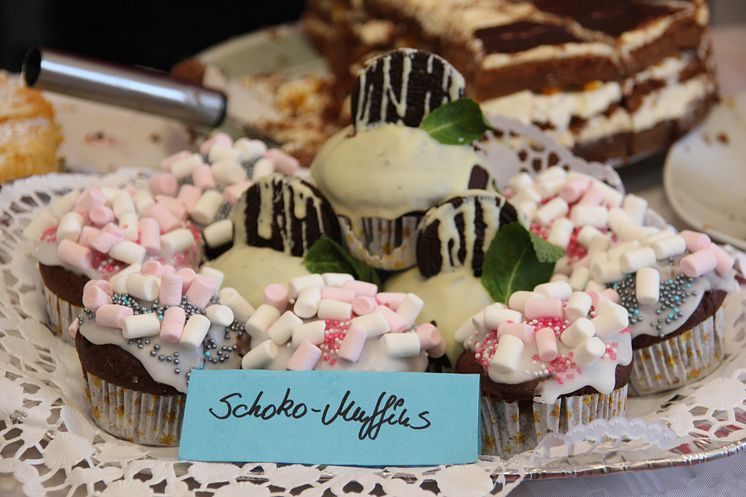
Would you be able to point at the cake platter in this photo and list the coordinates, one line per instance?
(48, 443)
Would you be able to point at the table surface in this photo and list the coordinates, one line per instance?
(726, 477)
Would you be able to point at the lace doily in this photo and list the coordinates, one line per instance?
(49, 445)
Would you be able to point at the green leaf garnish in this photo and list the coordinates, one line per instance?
(456, 123)
(327, 256)
(517, 260)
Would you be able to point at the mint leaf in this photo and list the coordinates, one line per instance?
(327, 256)
(456, 123)
(517, 260)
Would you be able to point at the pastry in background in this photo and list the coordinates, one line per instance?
(29, 135)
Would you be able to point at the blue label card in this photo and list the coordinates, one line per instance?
(331, 417)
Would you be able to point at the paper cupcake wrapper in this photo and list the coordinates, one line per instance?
(60, 314)
(680, 360)
(374, 241)
(508, 428)
(139, 417)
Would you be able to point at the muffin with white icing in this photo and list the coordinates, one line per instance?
(673, 285)
(382, 173)
(546, 365)
(333, 322)
(137, 347)
(98, 232)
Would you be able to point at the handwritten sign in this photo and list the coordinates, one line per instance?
(331, 417)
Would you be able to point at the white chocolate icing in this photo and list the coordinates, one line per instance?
(671, 102)
(548, 52)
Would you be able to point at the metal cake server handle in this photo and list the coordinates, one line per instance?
(138, 89)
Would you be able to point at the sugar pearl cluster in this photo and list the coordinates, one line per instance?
(156, 300)
(555, 329)
(104, 229)
(332, 317)
(573, 209)
(206, 184)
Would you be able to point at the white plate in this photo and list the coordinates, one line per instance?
(705, 174)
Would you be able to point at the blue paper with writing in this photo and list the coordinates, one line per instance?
(331, 417)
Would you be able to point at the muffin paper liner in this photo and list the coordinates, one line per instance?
(60, 313)
(508, 428)
(135, 416)
(373, 240)
(680, 360)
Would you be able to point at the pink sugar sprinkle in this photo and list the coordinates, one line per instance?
(333, 336)
(49, 235)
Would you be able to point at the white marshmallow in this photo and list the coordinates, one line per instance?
(250, 149)
(660, 235)
(282, 329)
(586, 234)
(599, 243)
(590, 215)
(176, 241)
(559, 277)
(588, 352)
(109, 193)
(260, 356)
(127, 251)
(610, 319)
(129, 223)
(118, 282)
(218, 233)
(222, 152)
(594, 286)
(670, 246)
(263, 167)
(647, 286)
(219, 315)
(550, 187)
(309, 332)
(618, 219)
(612, 196)
(183, 167)
(373, 324)
(561, 232)
(307, 303)
(615, 253)
(122, 203)
(207, 207)
(554, 290)
(551, 173)
(334, 309)
(517, 300)
(562, 265)
(496, 314)
(195, 331)
(141, 325)
(141, 286)
(507, 354)
(70, 226)
(227, 172)
(401, 345)
(336, 279)
(635, 207)
(241, 308)
(578, 306)
(529, 194)
(213, 274)
(526, 209)
(464, 331)
(42, 220)
(477, 320)
(579, 278)
(410, 308)
(143, 201)
(606, 272)
(260, 321)
(520, 181)
(633, 260)
(299, 283)
(551, 210)
(579, 331)
(61, 205)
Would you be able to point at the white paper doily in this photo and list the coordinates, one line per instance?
(50, 446)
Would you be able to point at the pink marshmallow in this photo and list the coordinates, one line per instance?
(429, 336)
(167, 269)
(700, 262)
(695, 240)
(519, 330)
(112, 315)
(546, 344)
(150, 235)
(72, 330)
(189, 196)
(593, 196)
(217, 138)
(439, 350)
(105, 286)
(276, 295)
(352, 345)
(166, 220)
(202, 177)
(363, 305)
(596, 297)
(172, 325)
(724, 260)
(574, 189)
(87, 234)
(168, 161)
(390, 299)
(187, 276)
(173, 205)
(74, 254)
(396, 323)
(334, 293)
(170, 290)
(94, 296)
(101, 215)
(201, 291)
(361, 288)
(103, 242)
(610, 294)
(232, 193)
(283, 162)
(535, 309)
(115, 230)
(305, 357)
(164, 183)
(88, 200)
(151, 267)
